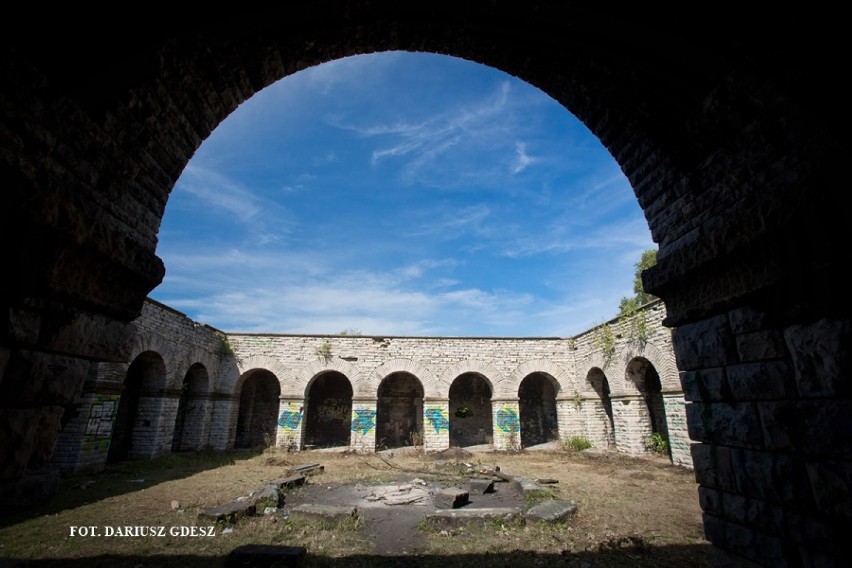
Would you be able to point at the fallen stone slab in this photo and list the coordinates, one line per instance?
(552, 511)
(329, 513)
(289, 481)
(307, 468)
(228, 513)
(480, 486)
(457, 517)
(451, 498)
(265, 556)
(269, 495)
(524, 486)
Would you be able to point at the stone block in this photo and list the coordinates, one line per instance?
(228, 513)
(552, 511)
(269, 495)
(289, 482)
(762, 381)
(451, 498)
(524, 486)
(480, 486)
(314, 512)
(705, 385)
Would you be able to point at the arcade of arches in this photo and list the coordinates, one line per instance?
(183, 392)
(732, 134)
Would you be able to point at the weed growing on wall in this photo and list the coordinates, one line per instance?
(605, 340)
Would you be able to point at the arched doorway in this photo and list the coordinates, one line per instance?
(602, 426)
(644, 375)
(537, 406)
(191, 418)
(257, 418)
(399, 411)
(470, 411)
(146, 369)
(329, 411)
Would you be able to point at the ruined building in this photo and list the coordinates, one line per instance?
(729, 124)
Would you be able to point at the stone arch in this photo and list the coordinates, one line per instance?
(600, 422)
(233, 382)
(259, 393)
(564, 382)
(470, 410)
(641, 372)
(328, 410)
(135, 416)
(399, 410)
(729, 193)
(192, 419)
(487, 371)
(537, 409)
(368, 387)
(301, 378)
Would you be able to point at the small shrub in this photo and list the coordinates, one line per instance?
(658, 444)
(578, 443)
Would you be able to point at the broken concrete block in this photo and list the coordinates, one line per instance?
(288, 482)
(269, 495)
(459, 517)
(451, 498)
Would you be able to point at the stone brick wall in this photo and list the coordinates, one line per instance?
(177, 359)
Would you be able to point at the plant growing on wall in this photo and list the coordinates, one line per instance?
(324, 350)
(225, 349)
(464, 412)
(605, 340)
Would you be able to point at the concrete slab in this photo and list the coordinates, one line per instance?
(552, 511)
(451, 498)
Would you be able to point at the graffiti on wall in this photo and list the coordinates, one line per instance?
(438, 418)
(98, 432)
(290, 419)
(508, 421)
(364, 421)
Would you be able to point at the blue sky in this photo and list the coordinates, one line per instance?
(401, 194)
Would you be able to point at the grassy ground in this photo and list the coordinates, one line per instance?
(631, 512)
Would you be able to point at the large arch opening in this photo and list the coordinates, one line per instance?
(192, 420)
(257, 420)
(644, 375)
(470, 411)
(329, 411)
(147, 369)
(601, 423)
(537, 406)
(399, 411)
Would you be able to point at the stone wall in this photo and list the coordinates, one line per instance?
(215, 378)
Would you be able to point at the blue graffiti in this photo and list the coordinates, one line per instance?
(289, 420)
(508, 421)
(364, 421)
(437, 418)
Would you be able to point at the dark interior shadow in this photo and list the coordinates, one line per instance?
(628, 555)
(124, 477)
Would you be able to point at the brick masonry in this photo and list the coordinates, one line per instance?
(180, 364)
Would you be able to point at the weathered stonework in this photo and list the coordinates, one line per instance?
(731, 135)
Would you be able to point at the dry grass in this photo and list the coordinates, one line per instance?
(630, 513)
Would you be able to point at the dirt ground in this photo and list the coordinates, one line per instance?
(630, 512)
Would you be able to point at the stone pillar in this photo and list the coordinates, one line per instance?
(507, 423)
(289, 432)
(632, 424)
(679, 443)
(154, 424)
(83, 444)
(223, 425)
(597, 426)
(569, 416)
(436, 424)
(363, 425)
